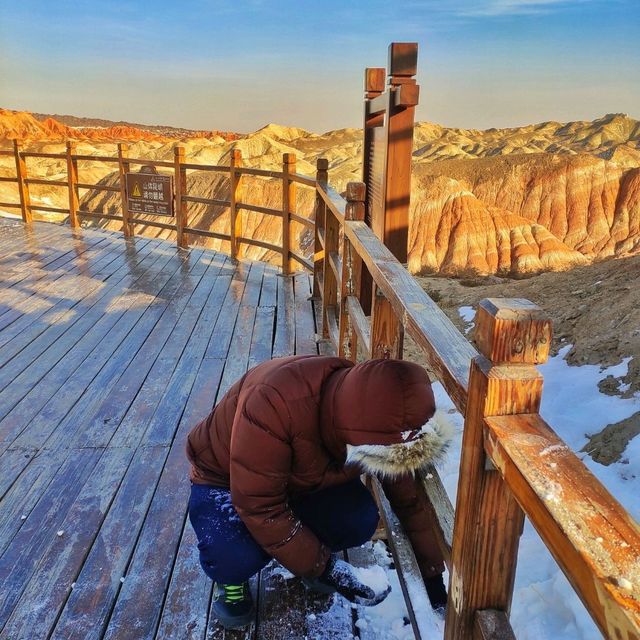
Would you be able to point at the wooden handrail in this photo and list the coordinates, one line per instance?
(591, 536)
(487, 386)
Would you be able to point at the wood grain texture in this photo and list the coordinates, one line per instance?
(350, 273)
(330, 281)
(72, 184)
(123, 169)
(181, 209)
(289, 199)
(488, 521)
(235, 162)
(512, 330)
(96, 414)
(23, 187)
(442, 512)
(591, 536)
(447, 352)
(492, 625)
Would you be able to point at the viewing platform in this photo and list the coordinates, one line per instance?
(111, 349)
(113, 345)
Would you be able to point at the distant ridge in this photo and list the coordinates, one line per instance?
(161, 129)
(542, 197)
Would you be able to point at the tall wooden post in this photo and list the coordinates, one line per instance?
(322, 175)
(388, 126)
(180, 190)
(288, 206)
(351, 271)
(235, 231)
(402, 96)
(123, 169)
(512, 335)
(72, 184)
(23, 187)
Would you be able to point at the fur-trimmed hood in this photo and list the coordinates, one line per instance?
(378, 415)
(387, 460)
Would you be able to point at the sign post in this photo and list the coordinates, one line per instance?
(150, 193)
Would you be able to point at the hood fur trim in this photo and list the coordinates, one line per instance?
(390, 460)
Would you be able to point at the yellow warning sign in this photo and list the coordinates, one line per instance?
(150, 193)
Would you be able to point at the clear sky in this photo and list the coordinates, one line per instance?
(239, 64)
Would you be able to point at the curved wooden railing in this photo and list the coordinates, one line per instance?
(512, 465)
(180, 224)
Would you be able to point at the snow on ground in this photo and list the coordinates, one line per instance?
(545, 607)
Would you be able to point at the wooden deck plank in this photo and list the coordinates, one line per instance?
(305, 326)
(46, 374)
(40, 291)
(185, 609)
(190, 590)
(51, 583)
(61, 334)
(285, 330)
(63, 441)
(23, 553)
(53, 265)
(146, 403)
(104, 300)
(168, 509)
(167, 506)
(102, 401)
(26, 315)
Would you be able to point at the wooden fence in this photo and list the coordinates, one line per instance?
(513, 464)
(180, 222)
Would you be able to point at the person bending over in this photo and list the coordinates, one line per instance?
(275, 473)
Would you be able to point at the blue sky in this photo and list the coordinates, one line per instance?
(240, 64)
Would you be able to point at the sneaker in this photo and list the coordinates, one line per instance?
(233, 605)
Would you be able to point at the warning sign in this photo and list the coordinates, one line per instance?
(150, 193)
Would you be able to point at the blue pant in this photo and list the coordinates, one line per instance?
(343, 516)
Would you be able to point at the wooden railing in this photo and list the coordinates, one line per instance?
(512, 464)
(179, 223)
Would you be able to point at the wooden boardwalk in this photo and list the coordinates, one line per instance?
(110, 351)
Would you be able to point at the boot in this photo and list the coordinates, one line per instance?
(233, 605)
(437, 593)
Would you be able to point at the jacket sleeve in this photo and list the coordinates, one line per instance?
(410, 505)
(261, 457)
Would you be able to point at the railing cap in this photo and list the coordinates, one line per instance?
(512, 330)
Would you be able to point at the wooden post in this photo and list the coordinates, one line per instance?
(512, 335)
(23, 187)
(322, 175)
(351, 271)
(123, 169)
(387, 332)
(373, 153)
(235, 231)
(180, 190)
(72, 184)
(330, 283)
(394, 226)
(288, 206)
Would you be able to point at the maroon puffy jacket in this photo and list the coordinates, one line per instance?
(286, 428)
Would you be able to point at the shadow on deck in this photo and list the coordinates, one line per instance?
(110, 351)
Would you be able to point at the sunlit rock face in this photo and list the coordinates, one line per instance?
(542, 197)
